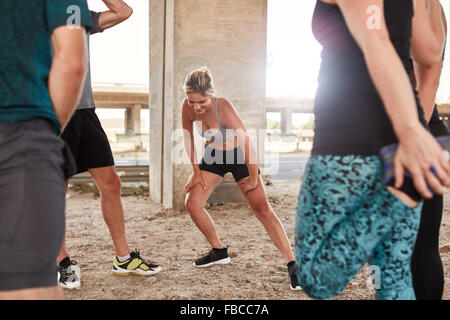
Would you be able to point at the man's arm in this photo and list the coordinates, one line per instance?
(67, 71)
(118, 12)
(428, 77)
(427, 39)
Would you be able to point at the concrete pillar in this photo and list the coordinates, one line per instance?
(133, 120)
(286, 121)
(156, 96)
(229, 37)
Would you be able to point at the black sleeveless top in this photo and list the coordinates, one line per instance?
(350, 117)
(437, 126)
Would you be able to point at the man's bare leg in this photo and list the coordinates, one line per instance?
(109, 185)
(63, 251)
(51, 293)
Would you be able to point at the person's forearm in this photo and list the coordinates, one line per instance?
(390, 79)
(118, 6)
(65, 84)
(118, 12)
(427, 94)
(194, 164)
(437, 21)
(427, 35)
(251, 157)
(190, 150)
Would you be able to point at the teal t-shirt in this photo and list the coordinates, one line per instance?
(26, 54)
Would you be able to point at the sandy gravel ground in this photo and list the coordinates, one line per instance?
(170, 238)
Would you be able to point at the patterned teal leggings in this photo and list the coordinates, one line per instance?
(345, 218)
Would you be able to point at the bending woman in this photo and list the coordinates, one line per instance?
(346, 215)
(228, 149)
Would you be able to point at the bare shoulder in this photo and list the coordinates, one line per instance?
(444, 19)
(329, 1)
(225, 106)
(229, 117)
(186, 110)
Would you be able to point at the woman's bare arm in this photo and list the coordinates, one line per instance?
(189, 144)
(187, 123)
(418, 150)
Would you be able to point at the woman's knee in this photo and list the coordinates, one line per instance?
(193, 205)
(263, 212)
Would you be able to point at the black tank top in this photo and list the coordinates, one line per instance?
(350, 117)
(437, 126)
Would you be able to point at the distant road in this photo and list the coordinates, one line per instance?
(290, 167)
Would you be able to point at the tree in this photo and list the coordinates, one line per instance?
(310, 124)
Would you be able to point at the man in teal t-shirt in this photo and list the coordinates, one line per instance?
(42, 69)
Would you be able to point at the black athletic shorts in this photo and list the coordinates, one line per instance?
(34, 164)
(88, 141)
(223, 161)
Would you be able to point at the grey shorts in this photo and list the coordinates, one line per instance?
(34, 164)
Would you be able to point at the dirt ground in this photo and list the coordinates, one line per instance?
(257, 270)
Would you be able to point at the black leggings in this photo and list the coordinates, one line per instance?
(426, 264)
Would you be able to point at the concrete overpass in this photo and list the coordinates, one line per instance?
(133, 99)
(288, 106)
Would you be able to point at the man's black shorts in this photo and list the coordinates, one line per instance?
(87, 141)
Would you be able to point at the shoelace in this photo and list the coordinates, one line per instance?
(210, 255)
(64, 270)
(136, 255)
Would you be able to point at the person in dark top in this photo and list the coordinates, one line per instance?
(346, 216)
(42, 68)
(90, 147)
(426, 263)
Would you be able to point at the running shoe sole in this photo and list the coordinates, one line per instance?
(124, 272)
(297, 288)
(222, 261)
(70, 285)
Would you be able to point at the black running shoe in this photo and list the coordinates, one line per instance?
(69, 274)
(215, 256)
(293, 275)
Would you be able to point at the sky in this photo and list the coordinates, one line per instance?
(120, 55)
(292, 51)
